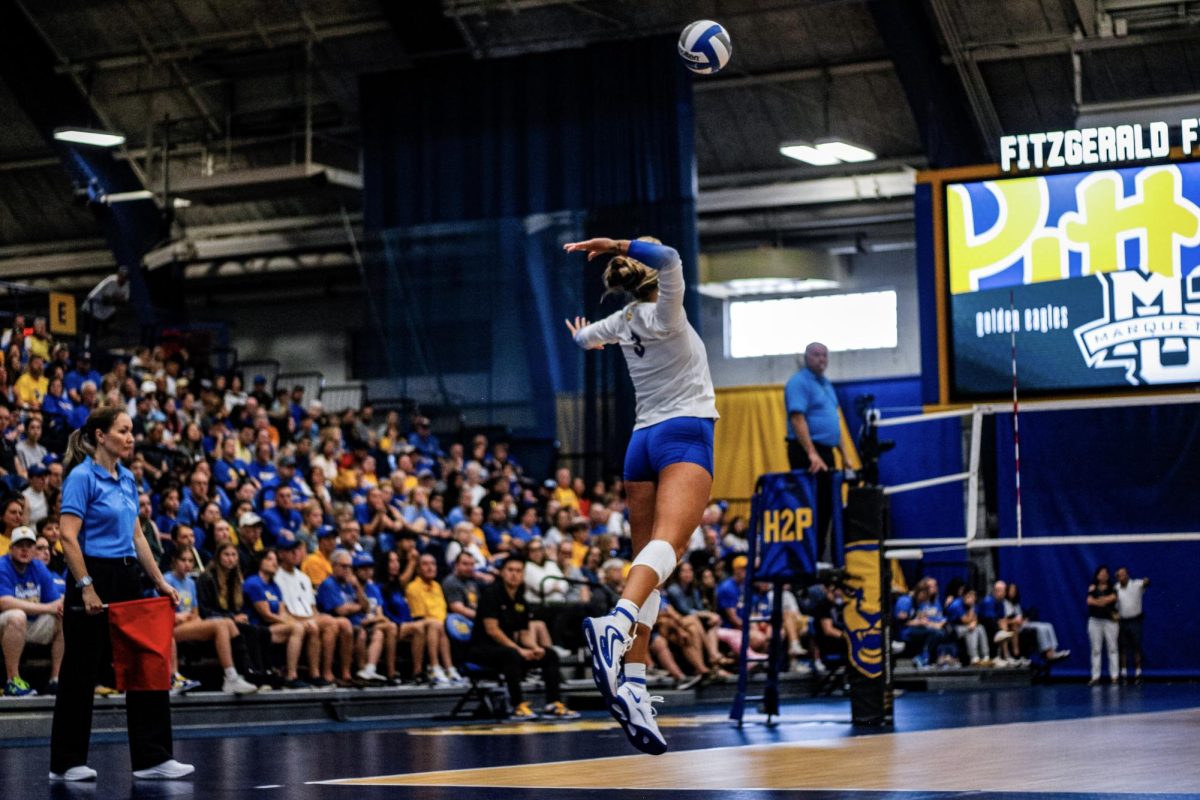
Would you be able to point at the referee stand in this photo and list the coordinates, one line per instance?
(783, 550)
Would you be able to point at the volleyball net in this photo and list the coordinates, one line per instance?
(1155, 457)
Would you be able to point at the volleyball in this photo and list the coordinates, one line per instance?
(704, 47)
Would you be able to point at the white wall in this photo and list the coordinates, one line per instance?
(869, 272)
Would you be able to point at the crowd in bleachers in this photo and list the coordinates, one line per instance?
(314, 547)
(962, 630)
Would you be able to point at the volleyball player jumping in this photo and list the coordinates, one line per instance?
(668, 464)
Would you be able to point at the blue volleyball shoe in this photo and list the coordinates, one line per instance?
(608, 640)
(634, 709)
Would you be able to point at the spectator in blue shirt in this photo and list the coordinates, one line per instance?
(496, 530)
(262, 469)
(264, 602)
(57, 406)
(30, 610)
(377, 632)
(229, 470)
(283, 520)
(84, 406)
(961, 617)
(919, 620)
(527, 529)
(423, 441)
(994, 619)
(168, 509)
(814, 431)
(83, 373)
(285, 476)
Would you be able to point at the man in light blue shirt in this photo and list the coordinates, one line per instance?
(814, 430)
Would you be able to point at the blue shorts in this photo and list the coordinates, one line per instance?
(672, 441)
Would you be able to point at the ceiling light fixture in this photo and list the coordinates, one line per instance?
(89, 136)
(827, 153)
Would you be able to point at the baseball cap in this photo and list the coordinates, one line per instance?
(149, 386)
(37, 469)
(260, 379)
(287, 461)
(740, 561)
(23, 533)
(84, 356)
(549, 483)
(363, 560)
(425, 473)
(249, 518)
(288, 544)
(326, 531)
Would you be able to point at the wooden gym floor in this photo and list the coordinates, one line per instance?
(1046, 743)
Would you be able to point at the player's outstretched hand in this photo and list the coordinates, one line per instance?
(596, 247)
(579, 324)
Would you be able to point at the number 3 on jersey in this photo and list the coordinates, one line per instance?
(638, 347)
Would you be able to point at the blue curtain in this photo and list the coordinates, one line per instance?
(601, 134)
(1106, 471)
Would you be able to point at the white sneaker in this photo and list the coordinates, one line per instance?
(369, 673)
(169, 770)
(439, 677)
(608, 645)
(562, 651)
(80, 773)
(453, 675)
(634, 709)
(238, 685)
(1002, 663)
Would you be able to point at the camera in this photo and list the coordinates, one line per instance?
(870, 446)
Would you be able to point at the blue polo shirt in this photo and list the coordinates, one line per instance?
(263, 473)
(333, 593)
(813, 396)
(955, 611)
(34, 585)
(395, 606)
(276, 522)
(107, 506)
(729, 595)
(255, 590)
(224, 471)
(75, 379)
(990, 608)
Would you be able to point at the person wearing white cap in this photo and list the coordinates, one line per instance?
(30, 611)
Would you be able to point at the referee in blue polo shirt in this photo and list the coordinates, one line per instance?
(103, 545)
(814, 430)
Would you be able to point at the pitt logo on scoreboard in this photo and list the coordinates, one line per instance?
(786, 524)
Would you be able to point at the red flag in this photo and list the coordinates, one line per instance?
(142, 631)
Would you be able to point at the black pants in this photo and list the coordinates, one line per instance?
(798, 460)
(1129, 644)
(88, 653)
(509, 663)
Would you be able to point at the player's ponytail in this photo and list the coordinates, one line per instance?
(628, 275)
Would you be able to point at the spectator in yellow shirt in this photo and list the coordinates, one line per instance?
(41, 342)
(31, 387)
(427, 600)
(563, 492)
(318, 565)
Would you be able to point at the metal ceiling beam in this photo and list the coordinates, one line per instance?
(982, 109)
(232, 41)
(937, 100)
(1039, 46)
(798, 75)
(1084, 15)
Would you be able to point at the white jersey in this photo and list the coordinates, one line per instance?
(297, 591)
(666, 358)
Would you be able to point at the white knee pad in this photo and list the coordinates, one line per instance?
(648, 613)
(658, 556)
